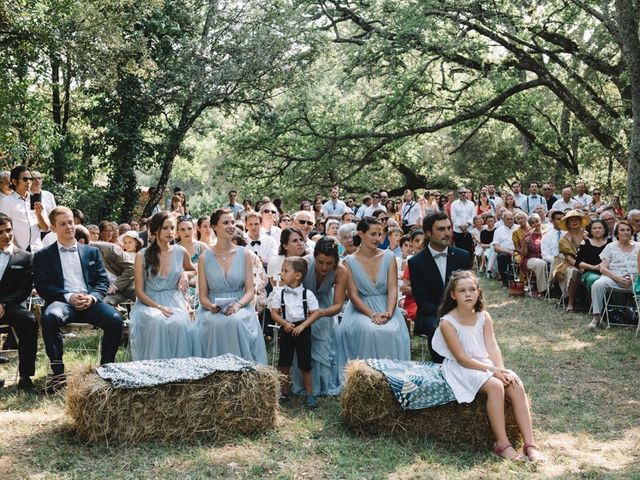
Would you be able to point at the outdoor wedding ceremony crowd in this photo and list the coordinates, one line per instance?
(328, 280)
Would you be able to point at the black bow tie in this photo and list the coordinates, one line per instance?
(255, 242)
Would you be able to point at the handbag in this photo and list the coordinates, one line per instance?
(620, 315)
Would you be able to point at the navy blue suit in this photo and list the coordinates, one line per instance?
(49, 283)
(427, 288)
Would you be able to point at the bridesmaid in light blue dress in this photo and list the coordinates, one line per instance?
(227, 321)
(327, 279)
(372, 326)
(160, 326)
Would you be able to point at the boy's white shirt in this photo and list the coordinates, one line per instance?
(294, 310)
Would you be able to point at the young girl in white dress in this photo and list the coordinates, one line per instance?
(473, 363)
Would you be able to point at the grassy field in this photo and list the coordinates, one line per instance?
(584, 386)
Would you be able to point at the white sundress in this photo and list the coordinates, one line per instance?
(465, 382)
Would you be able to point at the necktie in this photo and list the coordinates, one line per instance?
(292, 291)
(70, 249)
(559, 234)
(255, 242)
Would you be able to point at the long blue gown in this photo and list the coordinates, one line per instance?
(152, 335)
(216, 333)
(324, 365)
(357, 336)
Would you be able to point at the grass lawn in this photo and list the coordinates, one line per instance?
(584, 386)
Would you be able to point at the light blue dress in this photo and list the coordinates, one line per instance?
(216, 333)
(152, 335)
(324, 364)
(357, 336)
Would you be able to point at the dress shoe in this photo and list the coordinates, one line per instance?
(595, 323)
(54, 383)
(25, 384)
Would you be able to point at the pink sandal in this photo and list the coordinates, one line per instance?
(536, 457)
(499, 450)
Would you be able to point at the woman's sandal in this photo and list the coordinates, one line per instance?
(537, 457)
(499, 451)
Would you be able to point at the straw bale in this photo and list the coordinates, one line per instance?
(370, 408)
(220, 405)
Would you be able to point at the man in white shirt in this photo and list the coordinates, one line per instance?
(304, 221)
(550, 244)
(534, 198)
(28, 223)
(375, 205)
(462, 213)
(503, 246)
(47, 198)
(518, 196)
(234, 206)
(634, 219)
(494, 198)
(410, 212)
(262, 244)
(269, 218)
(566, 202)
(366, 203)
(583, 198)
(5, 183)
(334, 207)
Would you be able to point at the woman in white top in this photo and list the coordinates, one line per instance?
(291, 245)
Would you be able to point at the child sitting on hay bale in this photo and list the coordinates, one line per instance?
(473, 363)
(295, 308)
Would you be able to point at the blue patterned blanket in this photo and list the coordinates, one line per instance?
(416, 385)
(150, 373)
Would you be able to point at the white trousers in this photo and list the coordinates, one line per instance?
(598, 292)
(539, 267)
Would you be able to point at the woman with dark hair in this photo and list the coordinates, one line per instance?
(291, 245)
(160, 323)
(588, 257)
(442, 201)
(392, 212)
(317, 207)
(204, 233)
(284, 222)
(483, 204)
(227, 321)
(107, 231)
(327, 279)
(383, 218)
(372, 326)
(305, 205)
(195, 248)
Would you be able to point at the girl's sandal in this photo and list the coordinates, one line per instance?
(499, 451)
(536, 456)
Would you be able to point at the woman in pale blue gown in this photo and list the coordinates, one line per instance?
(372, 326)
(327, 279)
(227, 321)
(160, 325)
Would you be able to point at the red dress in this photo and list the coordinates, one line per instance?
(410, 305)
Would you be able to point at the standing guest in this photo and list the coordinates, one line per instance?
(167, 205)
(204, 233)
(442, 202)
(566, 272)
(5, 183)
(284, 222)
(588, 257)
(494, 198)
(504, 247)
(372, 325)
(566, 202)
(269, 218)
(305, 221)
(106, 231)
(246, 208)
(392, 213)
(260, 243)
(366, 203)
(334, 207)
(450, 198)
(429, 206)
(617, 208)
(94, 232)
(317, 207)
(473, 363)
(176, 209)
(160, 322)
(27, 215)
(597, 204)
(46, 197)
(531, 254)
(619, 267)
(227, 321)
(71, 279)
(462, 213)
(634, 220)
(410, 212)
(583, 198)
(291, 245)
(375, 205)
(233, 205)
(345, 237)
(430, 271)
(484, 206)
(534, 198)
(518, 196)
(16, 283)
(510, 203)
(548, 196)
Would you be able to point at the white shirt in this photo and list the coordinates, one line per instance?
(521, 201)
(410, 212)
(294, 311)
(48, 200)
(361, 210)
(49, 239)
(561, 205)
(334, 208)
(72, 272)
(462, 213)
(309, 246)
(533, 201)
(26, 232)
(267, 248)
(275, 267)
(441, 261)
(274, 233)
(496, 201)
(4, 259)
(585, 199)
(368, 212)
(504, 238)
(550, 244)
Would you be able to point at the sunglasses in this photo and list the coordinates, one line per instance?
(305, 222)
(270, 211)
(596, 193)
(26, 179)
(285, 219)
(462, 193)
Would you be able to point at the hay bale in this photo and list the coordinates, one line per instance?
(220, 405)
(369, 407)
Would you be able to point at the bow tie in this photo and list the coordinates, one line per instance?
(70, 249)
(290, 290)
(440, 255)
(255, 242)
(534, 196)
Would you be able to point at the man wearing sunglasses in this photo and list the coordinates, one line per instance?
(334, 207)
(375, 205)
(462, 213)
(269, 215)
(27, 216)
(305, 222)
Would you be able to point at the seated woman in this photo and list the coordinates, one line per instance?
(619, 268)
(160, 323)
(291, 245)
(227, 321)
(532, 256)
(566, 272)
(372, 326)
(588, 257)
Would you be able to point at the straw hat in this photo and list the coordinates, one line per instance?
(133, 234)
(584, 220)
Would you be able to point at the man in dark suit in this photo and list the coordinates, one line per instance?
(71, 278)
(16, 283)
(430, 270)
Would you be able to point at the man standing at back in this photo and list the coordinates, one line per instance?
(45, 196)
(429, 272)
(410, 212)
(334, 207)
(462, 212)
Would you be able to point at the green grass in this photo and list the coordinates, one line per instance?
(584, 388)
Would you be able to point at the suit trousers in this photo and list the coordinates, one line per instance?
(504, 263)
(464, 241)
(24, 323)
(99, 314)
(428, 326)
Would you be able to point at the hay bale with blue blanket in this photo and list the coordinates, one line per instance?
(412, 400)
(172, 400)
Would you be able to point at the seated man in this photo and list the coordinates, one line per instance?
(503, 245)
(16, 282)
(71, 279)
